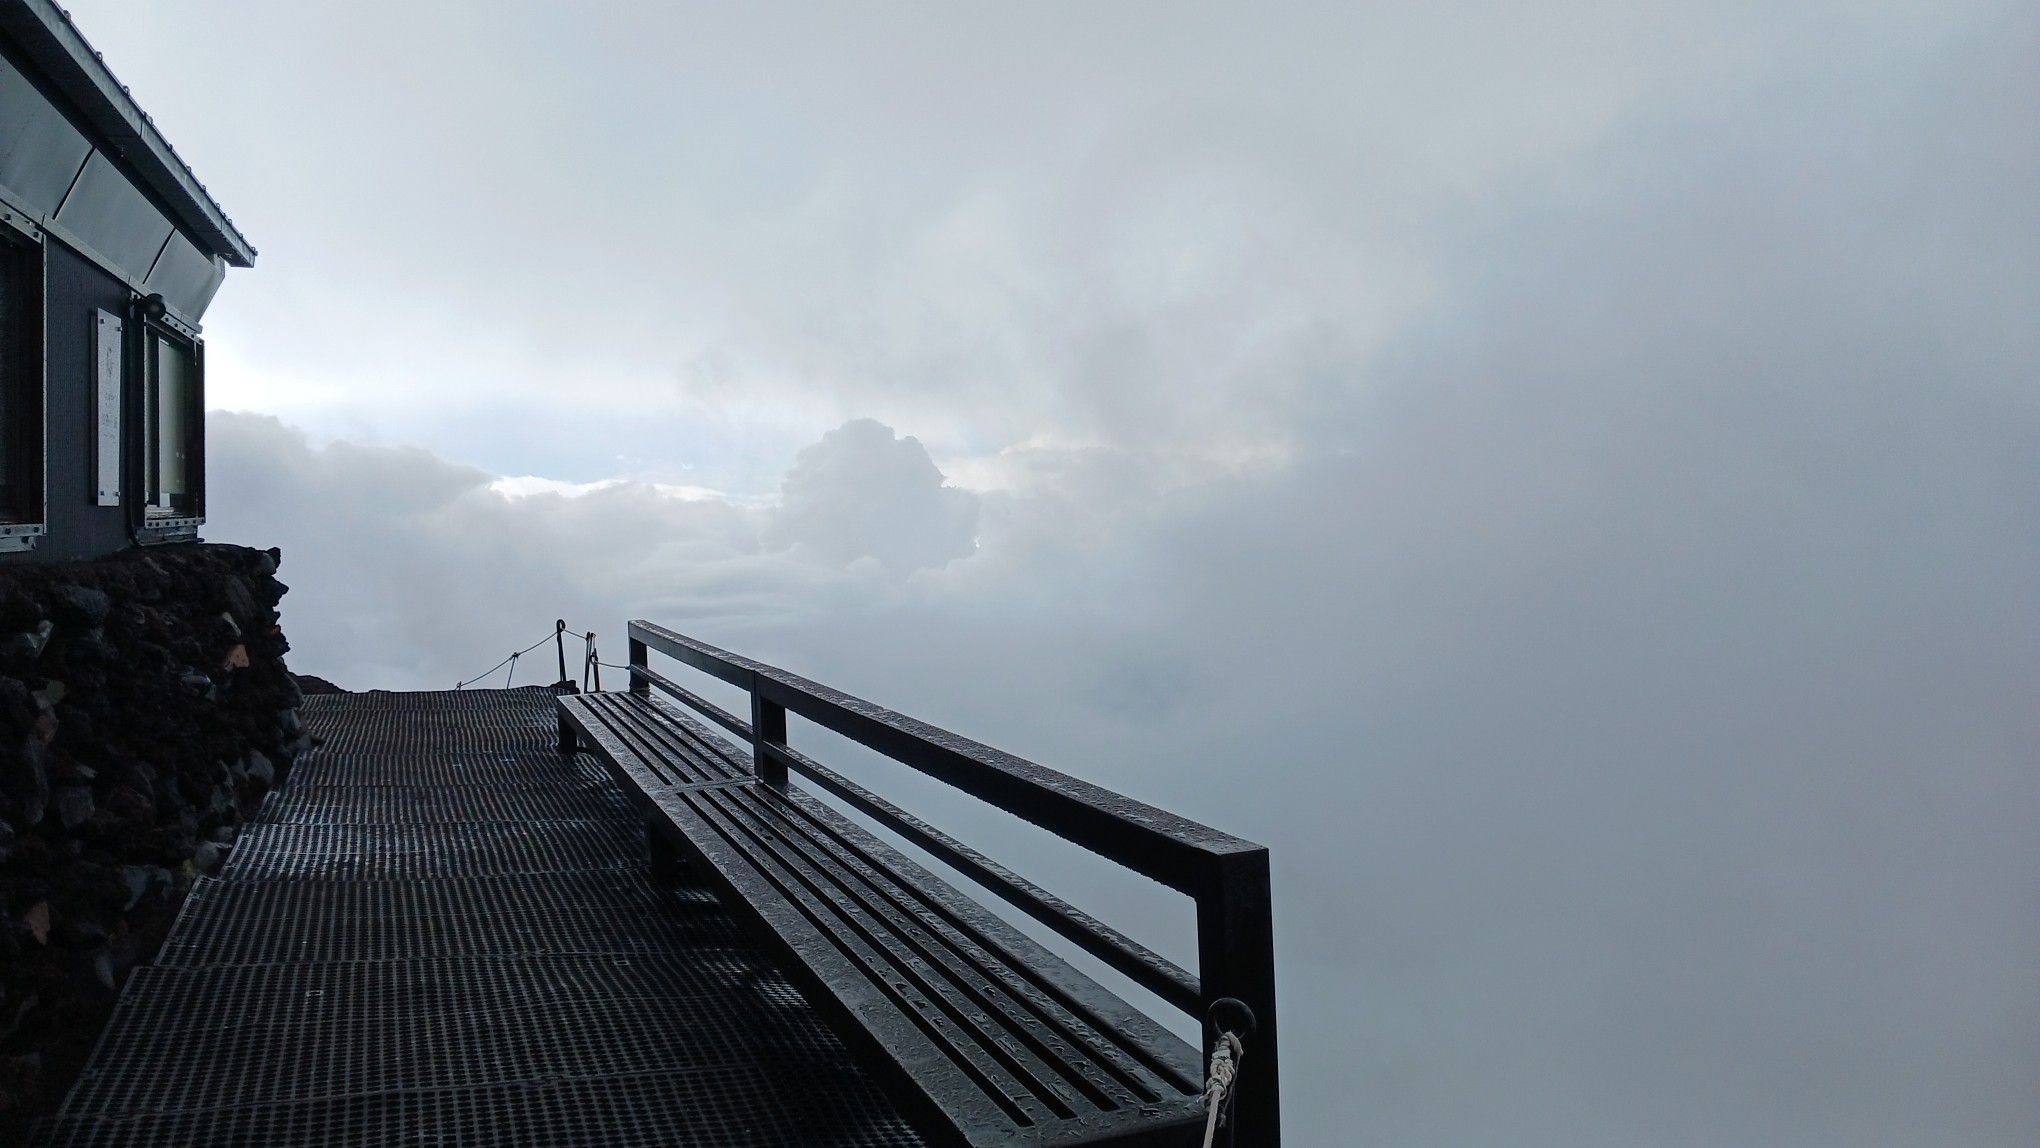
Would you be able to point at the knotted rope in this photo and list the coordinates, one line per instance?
(1225, 1065)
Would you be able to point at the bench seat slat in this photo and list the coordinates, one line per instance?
(829, 975)
(1147, 968)
(676, 741)
(908, 989)
(1150, 1051)
(1141, 1045)
(966, 1034)
(1036, 1041)
(990, 1037)
(1150, 1047)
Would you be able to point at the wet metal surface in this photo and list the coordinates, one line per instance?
(994, 1039)
(442, 932)
(1228, 878)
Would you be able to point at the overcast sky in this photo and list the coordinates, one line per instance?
(1564, 476)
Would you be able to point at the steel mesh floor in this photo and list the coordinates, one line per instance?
(442, 933)
(447, 849)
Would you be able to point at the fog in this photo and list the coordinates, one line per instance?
(1566, 480)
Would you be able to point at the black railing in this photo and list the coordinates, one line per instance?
(1225, 876)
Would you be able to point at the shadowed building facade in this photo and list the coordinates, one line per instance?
(110, 252)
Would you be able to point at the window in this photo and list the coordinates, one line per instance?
(173, 470)
(21, 398)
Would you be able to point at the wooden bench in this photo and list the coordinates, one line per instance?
(983, 1036)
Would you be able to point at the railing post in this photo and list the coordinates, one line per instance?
(1236, 958)
(640, 659)
(568, 742)
(666, 866)
(768, 724)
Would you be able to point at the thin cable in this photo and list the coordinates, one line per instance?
(505, 662)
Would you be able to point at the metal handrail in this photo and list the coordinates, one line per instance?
(1147, 968)
(1226, 876)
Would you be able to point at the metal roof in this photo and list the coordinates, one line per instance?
(45, 34)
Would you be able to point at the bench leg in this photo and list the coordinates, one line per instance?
(568, 742)
(667, 868)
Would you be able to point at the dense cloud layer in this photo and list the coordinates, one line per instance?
(862, 493)
(678, 241)
(1635, 684)
(1573, 491)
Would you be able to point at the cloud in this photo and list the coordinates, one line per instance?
(413, 572)
(527, 485)
(1629, 657)
(446, 566)
(861, 493)
(977, 227)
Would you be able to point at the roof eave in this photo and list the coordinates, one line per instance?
(45, 32)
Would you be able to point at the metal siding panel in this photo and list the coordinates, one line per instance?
(78, 527)
(42, 39)
(106, 211)
(198, 429)
(40, 152)
(109, 357)
(186, 277)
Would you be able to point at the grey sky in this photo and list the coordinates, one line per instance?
(1563, 476)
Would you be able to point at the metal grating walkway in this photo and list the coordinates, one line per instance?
(440, 932)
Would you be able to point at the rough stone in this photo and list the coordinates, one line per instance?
(37, 922)
(109, 780)
(29, 778)
(137, 878)
(74, 773)
(28, 645)
(130, 808)
(143, 880)
(79, 607)
(90, 648)
(207, 857)
(74, 805)
(240, 600)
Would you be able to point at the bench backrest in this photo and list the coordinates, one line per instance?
(1225, 876)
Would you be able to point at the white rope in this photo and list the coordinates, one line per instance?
(1225, 1064)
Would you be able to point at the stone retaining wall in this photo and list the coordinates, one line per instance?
(145, 710)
